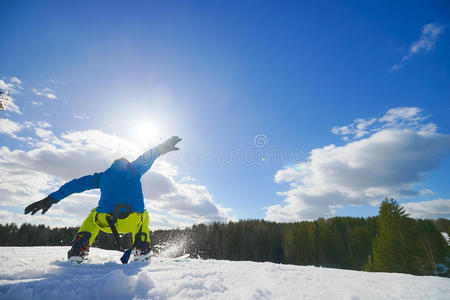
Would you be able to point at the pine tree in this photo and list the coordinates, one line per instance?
(389, 248)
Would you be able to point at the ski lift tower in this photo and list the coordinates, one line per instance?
(4, 99)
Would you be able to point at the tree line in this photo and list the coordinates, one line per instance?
(389, 242)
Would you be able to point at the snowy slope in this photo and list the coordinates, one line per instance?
(42, 273)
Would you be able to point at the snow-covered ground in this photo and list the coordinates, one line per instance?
(43, 273)
(445, 235)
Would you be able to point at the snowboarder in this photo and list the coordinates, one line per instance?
(121, 206)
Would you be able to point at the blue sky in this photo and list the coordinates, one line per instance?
(94, 80)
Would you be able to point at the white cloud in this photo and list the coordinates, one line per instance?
(52, 221)
(81, 116)
(21, 186)
(44, 124)
(193, 201)
(46, 92)
(434, 209)
(44, 134)
(395, 118)
(158, 221)
(358, 128)
(37, 103)
(12, 106)
(41, 124)
(395, 115)
(187, 178)
(390, 162)
(396, 67)
(27, 176)
(9, 127)
(426, 192)
(77, 207)
(15, 81)
(426, 43)
(427, 39)
(12, 129)
(13, 85)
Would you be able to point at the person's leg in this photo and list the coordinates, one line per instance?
(84, 238)
(137, 224)
(141, 237)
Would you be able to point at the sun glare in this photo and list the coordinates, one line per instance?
(146, 132)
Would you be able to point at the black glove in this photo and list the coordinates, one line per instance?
(169, 145)
(43, 204)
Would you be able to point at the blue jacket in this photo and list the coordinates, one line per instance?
(120, 183)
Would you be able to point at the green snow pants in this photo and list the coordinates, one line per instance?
(97, 221)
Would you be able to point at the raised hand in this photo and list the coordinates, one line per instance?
(169, 145)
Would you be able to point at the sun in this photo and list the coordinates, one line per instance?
(146, 132)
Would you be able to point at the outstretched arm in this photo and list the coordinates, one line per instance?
(75, 186)
(78, 185)
(144, 162)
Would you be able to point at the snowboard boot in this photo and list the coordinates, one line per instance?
(80, 248)
(141, 248)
